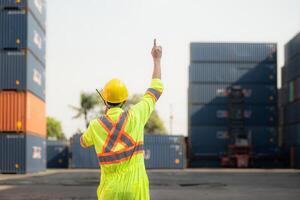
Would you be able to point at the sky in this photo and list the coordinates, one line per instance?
(89, 42)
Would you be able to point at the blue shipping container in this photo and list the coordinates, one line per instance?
(291, 134)
(36, 7)
(293, 68)
(292, 113)
(219, 93)
(292, 48)
(22, 153)
(233, 52)
(160, 152)
(19, 30)
(57, 154)
(208, 141)
(21, 71)
(237, 73)
(218, 115)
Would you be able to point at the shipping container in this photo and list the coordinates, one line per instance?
(164, 152)
(292, 48)
(218, 115)
(219, 93)
(160, 152)
(214, 141)
(21, 71)
(233, 52)
(36, 7)
(293, 68)
(237, 73)
(57, 154)
(296, 158)
(291, 113)
(292, 134)
(22, 153)
(204, 162)
(19, 30)
(283, 75)
(22, 112)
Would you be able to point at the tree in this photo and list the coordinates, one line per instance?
(54, 129)
(88, 101)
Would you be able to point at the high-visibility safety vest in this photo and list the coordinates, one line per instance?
(118, 138)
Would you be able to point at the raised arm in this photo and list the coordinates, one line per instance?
(156, 55)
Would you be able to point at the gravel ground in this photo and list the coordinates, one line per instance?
(164, 184)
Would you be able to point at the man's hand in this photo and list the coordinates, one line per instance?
(156, 52)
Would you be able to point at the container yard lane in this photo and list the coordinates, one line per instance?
(229, 184)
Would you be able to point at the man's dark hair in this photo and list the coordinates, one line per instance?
(111, 105)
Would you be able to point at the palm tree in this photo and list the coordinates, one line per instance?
(88, 101)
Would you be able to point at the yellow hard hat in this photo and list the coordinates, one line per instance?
(114, 91)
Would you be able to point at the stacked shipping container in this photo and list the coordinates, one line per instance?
(161, 152)
(215, 68)
(22, 86)
(291, 100)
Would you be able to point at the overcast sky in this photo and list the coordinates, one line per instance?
(92, 41)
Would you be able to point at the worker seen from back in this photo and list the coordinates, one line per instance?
(118, 138)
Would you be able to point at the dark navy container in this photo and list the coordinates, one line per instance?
(204, 162)
(57, 154)
(297, 157)
(233, 52)
(218, 115)
(237, 73)
(218, 93)
(292, 113)
(82, 157)
(283, 75)
(21, 71)
(293, 68)
(19, 30)
(164, 152)
(36, 7)
(292, 134)
(292, 48)
(21, 153)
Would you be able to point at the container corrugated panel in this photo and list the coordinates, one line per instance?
(22, 153)
(292, 48)
(293, 68)
(233, 52)
(292, 134)
(218, 93)
(292, 113)
(164, 152)
(214, 141)
(22, 112)
(82, 157)
(21, 71)
(57, 154)
(37, 7)
(233, 73)
(19, 30)
(218, 115)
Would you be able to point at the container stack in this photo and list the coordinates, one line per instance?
(215, 69)
(291, 103)
(22, 86)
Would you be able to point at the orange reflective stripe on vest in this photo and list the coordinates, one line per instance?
(117, 134)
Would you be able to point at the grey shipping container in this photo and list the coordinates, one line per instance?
(57, 154)
(21, 71)
(218, 115)
(292, 48)
(233, 52)
(218, 93)
(164, 152)
(292, 113)
(36, 7)
(22, 153)
(160, 152)
(293, 68)
(211, 141)
(19, 30)
(292, 134)
(233, 73)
